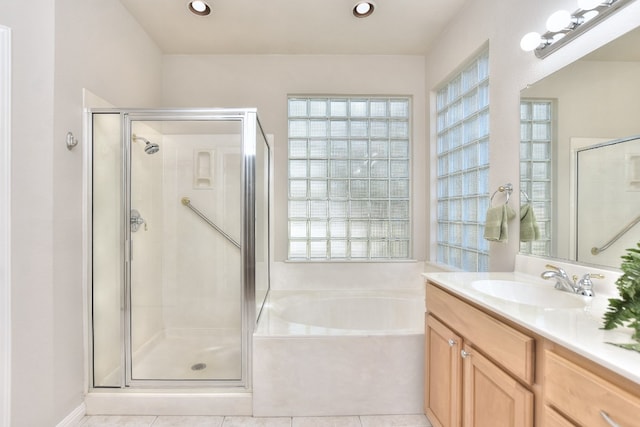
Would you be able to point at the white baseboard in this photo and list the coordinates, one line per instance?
(74, 418)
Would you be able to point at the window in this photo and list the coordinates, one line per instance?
(463, 167)
(536, 133)
(349, 178)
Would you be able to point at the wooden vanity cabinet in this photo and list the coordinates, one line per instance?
(574, 388)
(443, 393)
(483, 371)
(475, 367)
(553, 419)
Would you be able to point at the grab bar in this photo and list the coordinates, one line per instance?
(596, 251)
(187, 202)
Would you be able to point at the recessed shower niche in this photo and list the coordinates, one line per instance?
(179, 262)
(202, 168)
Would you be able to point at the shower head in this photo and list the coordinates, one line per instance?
(150, 147)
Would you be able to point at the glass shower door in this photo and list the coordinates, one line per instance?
(185, 290)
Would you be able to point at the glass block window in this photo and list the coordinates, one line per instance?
(349, 178)
(463, 167)
(536, 138)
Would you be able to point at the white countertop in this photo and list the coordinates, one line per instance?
(578, 329)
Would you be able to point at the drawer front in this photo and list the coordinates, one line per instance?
(587, 398)
(513, 350)
(554, 419)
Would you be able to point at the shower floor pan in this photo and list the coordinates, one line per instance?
(178, 354)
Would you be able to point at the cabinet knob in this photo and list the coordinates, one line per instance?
(464, 354)
(608, 419)
(452, 342)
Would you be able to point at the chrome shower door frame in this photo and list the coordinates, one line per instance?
(250, 126)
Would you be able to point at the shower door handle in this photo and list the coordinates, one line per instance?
(136, 221)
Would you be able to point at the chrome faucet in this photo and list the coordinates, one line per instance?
(583, 286)
(563, 281)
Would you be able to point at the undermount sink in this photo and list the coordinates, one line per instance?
(528, 294)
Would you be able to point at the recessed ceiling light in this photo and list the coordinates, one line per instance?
(362, 9)
(199, 8)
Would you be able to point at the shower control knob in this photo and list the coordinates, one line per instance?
(137, 220)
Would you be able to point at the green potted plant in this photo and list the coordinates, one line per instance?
(625, 311)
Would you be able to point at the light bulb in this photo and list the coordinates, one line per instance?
(530, 41)
(363, 9)
(199, 6)
(558, 21)
(589, 4)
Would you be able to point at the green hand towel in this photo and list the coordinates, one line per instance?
(529, 229)
(495, 227)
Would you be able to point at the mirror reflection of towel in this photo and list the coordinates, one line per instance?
(495, 227)
(529, 229)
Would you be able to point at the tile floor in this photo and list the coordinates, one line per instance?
(206, 421)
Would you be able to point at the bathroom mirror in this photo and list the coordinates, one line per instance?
(567, 120)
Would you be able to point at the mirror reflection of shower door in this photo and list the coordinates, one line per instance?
(185, 282)
(607, 198)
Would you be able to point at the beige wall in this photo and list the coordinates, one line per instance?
(502, 24)
(96, 45)
(264, 81)
(74, 41)
(32, 292)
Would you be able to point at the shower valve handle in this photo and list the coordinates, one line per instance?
(137, 220)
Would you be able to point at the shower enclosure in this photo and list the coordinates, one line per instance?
(607, 201)
(179, 265)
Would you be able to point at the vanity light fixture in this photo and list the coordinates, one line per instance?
(563, 26)
(199, 7)
(362, 9)
(589, 4)
(561, 20)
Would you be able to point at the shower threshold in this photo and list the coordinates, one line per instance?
(203, 401)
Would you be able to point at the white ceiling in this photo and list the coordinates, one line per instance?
(406, 27)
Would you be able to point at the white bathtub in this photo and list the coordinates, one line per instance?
(339, 353)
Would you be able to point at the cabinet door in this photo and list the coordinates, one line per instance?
(491, 397)
(442, 374)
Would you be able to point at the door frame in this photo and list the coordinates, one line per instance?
(250, 127)
(247, 283)
(5, 226)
